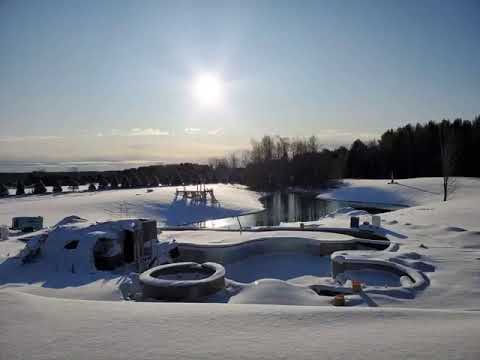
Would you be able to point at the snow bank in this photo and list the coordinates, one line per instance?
(408, 192)
(32, 328)
(272, 291)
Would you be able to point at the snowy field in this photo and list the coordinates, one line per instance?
(233, 200)
(440, 240)
(407, 192)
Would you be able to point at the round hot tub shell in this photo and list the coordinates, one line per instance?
(182, 281)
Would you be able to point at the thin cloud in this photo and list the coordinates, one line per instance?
(29, 138)
(192, 130)
(328, 133)
(148, 132)
(218, 131)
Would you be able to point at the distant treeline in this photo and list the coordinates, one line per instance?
(148, 176)
(279, 162)
(415, 151)
(409, 151)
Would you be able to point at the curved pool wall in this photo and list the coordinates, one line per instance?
(154, 286)
(228, 253)
(410, 278)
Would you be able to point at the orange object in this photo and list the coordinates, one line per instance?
(356, 286)
(339, 300)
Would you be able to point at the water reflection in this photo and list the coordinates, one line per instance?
(281, 207)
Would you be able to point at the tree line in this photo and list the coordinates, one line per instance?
(148, 176)
(435, 149)
(279, 162)
(419, 150)
(274, 162)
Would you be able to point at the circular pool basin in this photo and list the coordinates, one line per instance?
(187, 281)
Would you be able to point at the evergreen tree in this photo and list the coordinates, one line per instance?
(154, 181)
(102, 183)
(74, 185)
(126, 183)
(3, 190)
(57, 188)
(20, 188)
(135, 181)
(39, 188)
(114, 183)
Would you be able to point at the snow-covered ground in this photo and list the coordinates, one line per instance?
(440, 240)
(445, 235)
(408, 192)
(233, 200)
(46, 328)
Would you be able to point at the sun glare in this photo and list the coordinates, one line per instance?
(208, 90)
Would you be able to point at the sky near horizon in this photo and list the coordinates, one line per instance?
(112, 80)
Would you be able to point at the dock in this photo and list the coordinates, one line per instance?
(200, 194)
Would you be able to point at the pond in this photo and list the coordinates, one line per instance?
(292, 207)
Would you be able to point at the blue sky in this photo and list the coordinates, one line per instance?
(111, 80)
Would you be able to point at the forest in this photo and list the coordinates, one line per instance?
(275, 162)
(433, 149)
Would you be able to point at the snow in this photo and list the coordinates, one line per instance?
(60, 272)
(233, 200)
(269, 318)
(32, 328)
(283, 266)
(206, 237)
(407, 192)
(441, 239)
(374, 277)
(272, 291)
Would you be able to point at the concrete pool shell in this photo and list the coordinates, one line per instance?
(182, 281)
(249, 257)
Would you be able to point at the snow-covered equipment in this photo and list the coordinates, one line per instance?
(77, 245)
(32, 248)
(354, 222)
(3, 232)
(376, 220)
(27, 223)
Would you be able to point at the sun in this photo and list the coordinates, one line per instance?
(208, 90)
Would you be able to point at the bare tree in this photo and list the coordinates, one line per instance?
(233, 160)
(298, 147)
(448, 159)
(267, 148)
(256, 153)
(282, 147)
(312, 144)
(246, 158)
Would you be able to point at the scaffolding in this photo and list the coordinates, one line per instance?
(200, 194)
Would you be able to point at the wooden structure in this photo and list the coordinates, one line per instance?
(200, 194)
